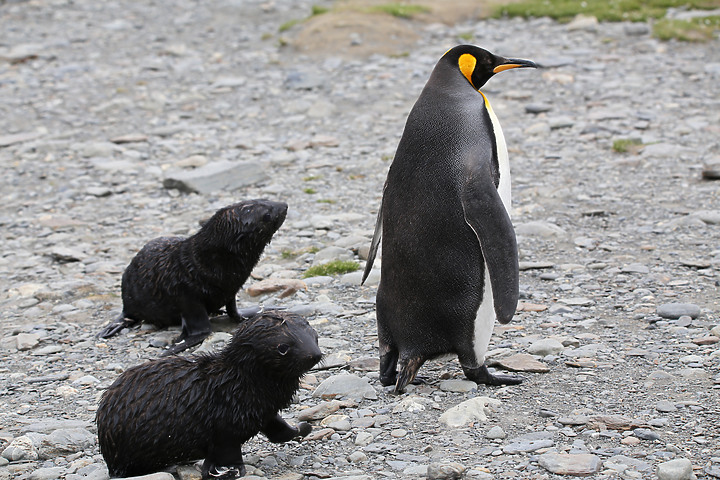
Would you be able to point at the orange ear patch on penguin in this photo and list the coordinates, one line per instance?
(467, 63)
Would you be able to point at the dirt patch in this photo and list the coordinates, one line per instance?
(351, 29)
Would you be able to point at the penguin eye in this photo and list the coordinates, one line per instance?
(283, 348)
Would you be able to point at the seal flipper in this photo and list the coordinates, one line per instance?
(277, 430)
(114, 327)
(486, 215)
(195, 328)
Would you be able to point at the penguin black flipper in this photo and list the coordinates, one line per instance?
(375, 243)
(485, 213)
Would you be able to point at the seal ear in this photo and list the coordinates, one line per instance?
(485, 213)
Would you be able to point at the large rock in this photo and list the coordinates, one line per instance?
(578, 464)
(678, 469)
(222, 175)
(65, 441)
(21, 448)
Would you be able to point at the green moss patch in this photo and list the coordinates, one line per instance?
(336, 267)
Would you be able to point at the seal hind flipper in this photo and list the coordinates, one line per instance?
(485, 213)
(114, 327)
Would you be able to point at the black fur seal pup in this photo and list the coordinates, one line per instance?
(179, 409)
(450, 260)
(181, 281)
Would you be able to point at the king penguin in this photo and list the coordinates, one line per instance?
(449, 255)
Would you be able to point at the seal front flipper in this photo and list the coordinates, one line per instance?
(485, 213)
(116, 325)
(277, 430)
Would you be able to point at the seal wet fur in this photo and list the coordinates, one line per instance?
(181, 281)
(179, 409)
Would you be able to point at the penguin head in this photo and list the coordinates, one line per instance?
(478, 65)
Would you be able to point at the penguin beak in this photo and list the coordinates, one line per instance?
(509, 63)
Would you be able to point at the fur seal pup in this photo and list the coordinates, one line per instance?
(450, 260)
(181, 281)
(178, 409)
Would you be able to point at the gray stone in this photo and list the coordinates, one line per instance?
(678, 469)
(570, 464)
(525, 446)
(48, 426)
(539, 229)
(621, 462)
(7, 140)
(345, 385)
(473, 410)
(26, 341)
(320, 411)
(48, 473)
(636, 29)
(458, 386)
(216, 176)
(495, 432)
(665, 406)
(65, 441)
(538, 107)
(646, 434)
(21, 448)
(677, 310)
(546, 346)
(158, 476)
(445, 471)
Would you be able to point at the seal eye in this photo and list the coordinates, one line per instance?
(266, 217)
(283, 348)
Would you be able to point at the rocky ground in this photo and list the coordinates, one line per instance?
(106, 104)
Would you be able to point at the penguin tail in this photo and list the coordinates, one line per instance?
(115, 326)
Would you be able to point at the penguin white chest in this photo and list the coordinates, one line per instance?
(485, 316)
(503, 161)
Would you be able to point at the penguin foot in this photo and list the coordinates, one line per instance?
(482, 375)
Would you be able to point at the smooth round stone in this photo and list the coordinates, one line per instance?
(496, 432)
(546, 346)
(678, 469)
(665, 406)
(677, 310)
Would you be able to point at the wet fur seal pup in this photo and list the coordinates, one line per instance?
(181, 281)
(450, 259)
(179, 409)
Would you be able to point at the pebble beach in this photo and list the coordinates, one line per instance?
(124, 121)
